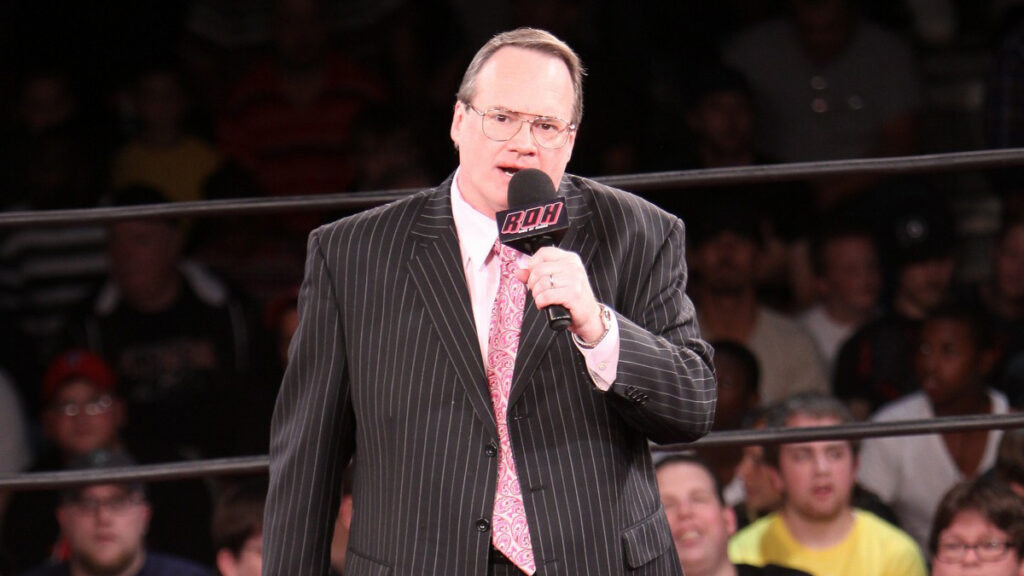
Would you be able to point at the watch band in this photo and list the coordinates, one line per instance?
(606, 320)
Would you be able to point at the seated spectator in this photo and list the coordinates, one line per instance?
(104, 526)
(978, 529)
(15, 450)
(911, 473)
(186, 351)
(738, 377)
(290, 120)
(829, 85)
(164, 154)
(848, 282)
(761, 495)
(342, 523)
(818, 529)
(1001, 296)
(725, 244)
(701, 523)
(237, 528)
(84, 413)
(876, 364)
(1010, 460)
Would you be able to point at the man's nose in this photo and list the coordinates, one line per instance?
(522, 141)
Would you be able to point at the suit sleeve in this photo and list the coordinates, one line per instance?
(312, 432)
(665, 385)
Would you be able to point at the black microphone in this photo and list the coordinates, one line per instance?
(536, 217)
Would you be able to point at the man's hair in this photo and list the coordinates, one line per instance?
(991, 498)
(1010, 458)
(831, 231)
(977, 324)
(527, 39)
(811, 404)
(744, 357)
(238, 514)
(690, 458)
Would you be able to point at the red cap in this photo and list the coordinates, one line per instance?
(75, 364)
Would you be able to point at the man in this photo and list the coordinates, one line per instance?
(701, 522)
(979, 530)
(186, 350)
(389, 361)
(237, 528)
(105, 525)
(848, 281)
(725, 248)
(817, 529)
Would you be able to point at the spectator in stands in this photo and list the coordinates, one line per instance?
(978, 529)
(290, 119)
(83, 412)
(1010, 460)
(15, 449)
(237, 528)
(105, 525)
(725, 243)
(761, 495)
(817, 529)
(738, 376)
(701, 523)
(829, 85)
(186, 351)
(876, 364)
(911, 473)
(1001, 296)
(848, 282)
(164, 154)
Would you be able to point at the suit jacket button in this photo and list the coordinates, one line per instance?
(491, 449)
(483, 525)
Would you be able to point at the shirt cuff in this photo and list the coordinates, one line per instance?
(603, 360)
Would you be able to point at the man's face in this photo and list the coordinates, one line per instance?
(816, 478)
(701, 526)
(105, 528)
(726, 262)
(1009, 265)
(522, 81)
(762, 495)
(81, 418)
(724, 120)
(926, 284)
(852, 277)
(143, 256)
(948, 361)
(970, 527)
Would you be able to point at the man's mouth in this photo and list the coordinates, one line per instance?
(509, 171)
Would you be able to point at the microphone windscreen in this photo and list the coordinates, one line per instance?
(530, 186)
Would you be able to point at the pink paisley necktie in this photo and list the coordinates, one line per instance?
(511, 535)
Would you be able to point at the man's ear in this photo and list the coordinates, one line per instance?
(729, 517)
(775, 478)
(458, 117)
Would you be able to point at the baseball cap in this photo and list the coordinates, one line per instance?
(77, 364)
(103, 459)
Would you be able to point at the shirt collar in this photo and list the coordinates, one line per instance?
(477, 233)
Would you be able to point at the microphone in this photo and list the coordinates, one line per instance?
(536, 217)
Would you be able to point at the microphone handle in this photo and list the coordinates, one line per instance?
(558, 317)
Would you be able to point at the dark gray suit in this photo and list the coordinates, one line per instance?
(386, 366)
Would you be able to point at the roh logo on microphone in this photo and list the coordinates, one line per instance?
(532, 219)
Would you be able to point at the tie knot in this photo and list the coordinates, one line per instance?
(505, 254)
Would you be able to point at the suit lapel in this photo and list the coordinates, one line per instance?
(436, 269)
(536, 337)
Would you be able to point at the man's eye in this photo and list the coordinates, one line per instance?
(546, 126)
(500, 118)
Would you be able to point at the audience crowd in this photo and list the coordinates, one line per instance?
(828, 301)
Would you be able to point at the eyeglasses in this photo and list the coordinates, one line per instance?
(990, 551)
(502, 125)
(93, 407)
(115, 505)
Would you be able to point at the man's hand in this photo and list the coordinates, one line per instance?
(556, 276)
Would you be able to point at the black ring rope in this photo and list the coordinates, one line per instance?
(259, 464)
(952, 161)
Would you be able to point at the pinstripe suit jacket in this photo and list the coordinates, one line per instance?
(386, 366)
